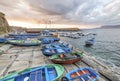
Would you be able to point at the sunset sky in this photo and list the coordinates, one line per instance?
(73, 13)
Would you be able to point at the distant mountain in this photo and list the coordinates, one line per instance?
(110, 26)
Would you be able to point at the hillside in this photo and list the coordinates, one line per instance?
(4, 26)
(110, 26)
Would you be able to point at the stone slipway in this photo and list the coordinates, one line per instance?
(18, 58)
(5, 47)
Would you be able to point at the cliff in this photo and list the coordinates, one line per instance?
(4, 26)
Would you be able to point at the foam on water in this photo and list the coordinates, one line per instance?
(106, 48)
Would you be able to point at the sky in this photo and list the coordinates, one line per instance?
(81, 13)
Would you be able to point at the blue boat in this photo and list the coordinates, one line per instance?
(25, 34)
(6, 39)
(56, 45)
(50, 52)
(81, 74)
(25, 42)
(51, 72)
(56, 49)
(48, 40)
(3, 40)
(16, 38)
(89, 42)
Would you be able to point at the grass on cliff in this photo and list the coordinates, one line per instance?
(3, 30)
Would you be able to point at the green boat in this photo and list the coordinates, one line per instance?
(67, 58)
(51, 72)
(25, 42)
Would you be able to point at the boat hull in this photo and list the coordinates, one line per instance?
(89, 42)
(72, 58)
(18, 44)
(3, 40)
(51, 72)
(81, 74)
(52, 49)
(22, 43)
(49, 40)
(66, 61)
(32, 34)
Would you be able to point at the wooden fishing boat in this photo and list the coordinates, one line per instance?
(51, 72)
(48, 40)
(25, 42)
(25, 34)
(56, 48)
(81, 74)
(16, 38)
(56, 45)
(50, 52)
(68, 58)
(3, 40)
(89, 42)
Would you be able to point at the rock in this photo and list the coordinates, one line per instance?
(4, 26)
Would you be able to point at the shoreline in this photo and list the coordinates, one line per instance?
(103, 69)
(14, 59)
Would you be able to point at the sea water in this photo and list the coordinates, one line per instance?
(106, 47)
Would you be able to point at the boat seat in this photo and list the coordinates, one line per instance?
(69, 55)
(60, 50)
(36, 76)
(84, 77)
(79, 76)
(86, 72)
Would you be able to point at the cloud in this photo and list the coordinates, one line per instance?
(97, 12)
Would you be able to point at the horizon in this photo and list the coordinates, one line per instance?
(29, 25)
(76, 13)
